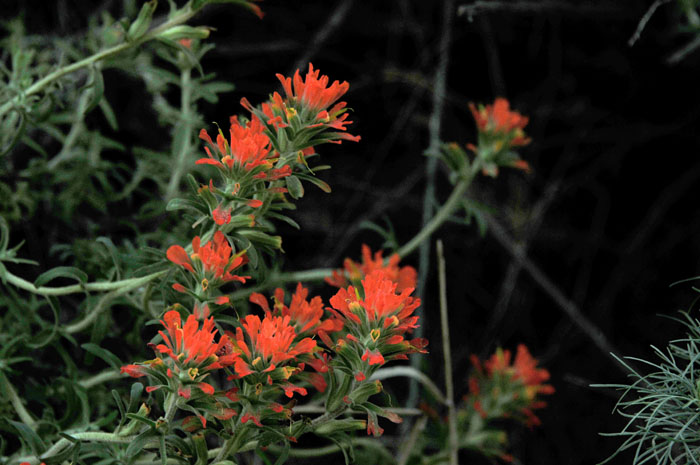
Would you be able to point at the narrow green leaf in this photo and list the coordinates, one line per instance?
(103, 353)
(30, 437)
(135, 396)
(120, 404)
(296, 190)
(142, 21)
(142, 419)
(61, 272)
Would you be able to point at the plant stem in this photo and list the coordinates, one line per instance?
(170, 406)
(39, 85)
(16, 402)
(99, 378)
(453, 444)
(186, 126)
(98, 286)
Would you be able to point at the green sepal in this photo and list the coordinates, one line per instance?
(142, 21)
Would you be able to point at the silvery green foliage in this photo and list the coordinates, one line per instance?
(663, 406)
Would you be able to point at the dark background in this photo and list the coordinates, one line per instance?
(609, 213)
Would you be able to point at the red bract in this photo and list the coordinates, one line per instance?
(524, 368)
(376, 324)
(310, 103)
(404, 277)
(191, 346)
(247, 148)
(497, 118)
(305, 316)
(211, 263)
(270, 350)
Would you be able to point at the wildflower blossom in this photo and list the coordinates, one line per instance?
(376, 323)
(500, 130)
(501, 388)
(404, 277)
(211, 263)
(191, 352)
(269, 350)
(310, 104)
(305, 316)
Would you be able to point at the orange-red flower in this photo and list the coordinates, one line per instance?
(497, 118)
(211, 263)
(404, 277)
(524, 368)
(504, 389)
(305, 316)
(270, 350)
(247, 148)
(310, 104)
(377, 322)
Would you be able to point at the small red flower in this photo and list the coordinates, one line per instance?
(497, 118)
(404, 277)
(305, 316)
(221, 216)
(247, 148)
(212, 262)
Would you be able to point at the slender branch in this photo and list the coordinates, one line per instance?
(39, 85)
(645, 19)
(99, 378)
(447, 358)
(413, 373)
(570, 308)
(99, 286)
(16, 402)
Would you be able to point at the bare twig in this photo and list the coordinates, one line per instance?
(481, 6)
(335, 20)
(569, 307)
(453, 443)
(645, 19)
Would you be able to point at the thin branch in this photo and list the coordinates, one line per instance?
(335, 20)
(453, 442)
(99, 286)
(570, 308)
(645, 19)
(480, 6)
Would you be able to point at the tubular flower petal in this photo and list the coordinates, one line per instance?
(247, 148)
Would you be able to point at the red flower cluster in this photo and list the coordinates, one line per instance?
(310, 104)
(211, 263)
(497, 118)
(377, 322)
(271, 348)
(500, 386)
(305, 316)
(191, 350)
(404, 277)
(247, 149)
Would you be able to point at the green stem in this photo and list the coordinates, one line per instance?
(96, 436)
(99, 378)
(186, 122)
(453, 441)
(443, 213)
(16, 402)
(170, 407)
(39, 85)
(99, 286)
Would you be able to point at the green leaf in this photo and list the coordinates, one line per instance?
(137, 444)
(47, 334)
(135, 396)
(185, 32)
(120, 405)
(296, 190)
(103, 353)
(96, 87)
(186, 204)
(61, 272)
(142, 419)
(143, 20)
(317, 182)
(30, 437)
(284, 218)
(108, 113)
